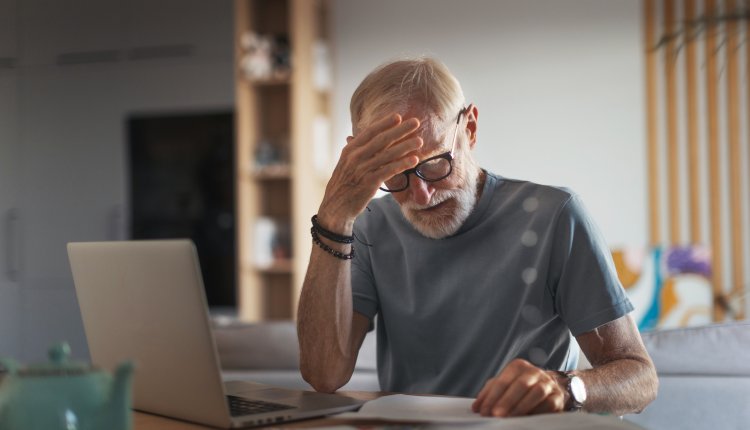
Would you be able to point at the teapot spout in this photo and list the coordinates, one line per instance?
(120, 399)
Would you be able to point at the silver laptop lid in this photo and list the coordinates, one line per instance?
(144, 300)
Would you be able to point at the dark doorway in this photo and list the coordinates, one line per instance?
(182, 186)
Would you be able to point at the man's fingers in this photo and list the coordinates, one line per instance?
(495, 391)
(380, 148)
(513, 394)
(368, 143)
(534, 396)
(520, 389)
(550, 404)
(374, 155)
(379, 126)
(491, 391)
(395, 152)
(393, 168)
(388, 162)
(367, 178)
(477, 405)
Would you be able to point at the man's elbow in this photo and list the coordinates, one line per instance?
(323, 381)
(653, 386)
(649, 387)
(324, 385)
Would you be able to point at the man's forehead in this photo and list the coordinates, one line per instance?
(429, 152)
(432, 129)
(428, 121)
(433, 147)
(433, 132)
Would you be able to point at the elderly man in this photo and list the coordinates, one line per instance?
(479, 282)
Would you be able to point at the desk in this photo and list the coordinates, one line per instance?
(145, 421)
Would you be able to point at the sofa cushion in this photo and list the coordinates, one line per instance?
(716, 349)
(691, 402)
(361, 380)
(704, 378)
(268, 345)
(268, 353)
(273, 346)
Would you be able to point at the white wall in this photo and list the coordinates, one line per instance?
(559, 85)
(70, 156)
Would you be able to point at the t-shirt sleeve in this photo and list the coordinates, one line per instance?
(584, 283)
(364, 294)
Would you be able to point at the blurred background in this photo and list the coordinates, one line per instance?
(221, 121)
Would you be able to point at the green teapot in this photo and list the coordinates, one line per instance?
(64, 395)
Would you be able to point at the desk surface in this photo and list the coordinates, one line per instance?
(145, 421)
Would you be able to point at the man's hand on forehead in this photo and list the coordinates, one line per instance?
(389, 138)
(393, 124)
(377, 152)
(414, 134)
(430, 127)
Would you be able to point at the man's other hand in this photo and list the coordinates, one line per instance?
(521, 389)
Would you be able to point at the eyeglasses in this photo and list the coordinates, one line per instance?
(432, 169)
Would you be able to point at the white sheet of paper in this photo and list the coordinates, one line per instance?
(403, 407)
(451, 411)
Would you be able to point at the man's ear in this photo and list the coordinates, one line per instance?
(472, 113)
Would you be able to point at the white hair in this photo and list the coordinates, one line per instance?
(420, 84)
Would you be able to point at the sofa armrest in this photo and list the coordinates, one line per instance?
(716, 349)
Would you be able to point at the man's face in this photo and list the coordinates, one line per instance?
(438, 209)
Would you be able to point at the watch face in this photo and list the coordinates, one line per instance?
(577, 389)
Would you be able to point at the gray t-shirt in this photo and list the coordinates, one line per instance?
(527, 268)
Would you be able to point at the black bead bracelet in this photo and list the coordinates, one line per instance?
(329, 234)
(328, 249)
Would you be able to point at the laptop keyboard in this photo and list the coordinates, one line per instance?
(239, 406)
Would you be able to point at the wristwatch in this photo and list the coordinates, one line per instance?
(576, 390)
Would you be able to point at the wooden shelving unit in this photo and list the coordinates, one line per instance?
(292, 113)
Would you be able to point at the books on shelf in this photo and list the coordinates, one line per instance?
(272, 243)
(271, 158)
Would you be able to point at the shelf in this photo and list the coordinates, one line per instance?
(269, 82)
(280, 267)
(270, 173)
(281, 111)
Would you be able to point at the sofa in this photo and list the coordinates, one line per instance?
(268, 353)
(704, 372)
(704, 378)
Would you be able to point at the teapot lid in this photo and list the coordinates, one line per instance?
(59, 364)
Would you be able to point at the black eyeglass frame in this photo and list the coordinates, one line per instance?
(445, 155)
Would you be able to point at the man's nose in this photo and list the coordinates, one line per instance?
(420, 191)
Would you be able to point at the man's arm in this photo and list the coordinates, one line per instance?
(330, 332)
(622, 381)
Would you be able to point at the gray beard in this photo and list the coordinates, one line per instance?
(437, 226)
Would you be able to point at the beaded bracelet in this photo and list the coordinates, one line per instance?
(328, 249)
(329, 234)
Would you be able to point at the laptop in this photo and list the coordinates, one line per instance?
(144, 301)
